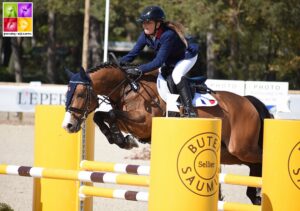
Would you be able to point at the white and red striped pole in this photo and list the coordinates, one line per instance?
(85, 176)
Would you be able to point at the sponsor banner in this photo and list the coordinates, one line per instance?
(23, 98)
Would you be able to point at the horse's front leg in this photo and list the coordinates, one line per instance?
(113, 133)
(127, 142)
(137, 122)
(99, 119)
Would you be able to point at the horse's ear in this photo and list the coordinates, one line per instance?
(69, 73)
(83, 74)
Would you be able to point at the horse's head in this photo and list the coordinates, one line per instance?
(80, 100)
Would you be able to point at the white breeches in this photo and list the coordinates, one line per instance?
(183, 67)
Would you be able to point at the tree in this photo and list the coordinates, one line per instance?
(51, 74)
(239, 39)
(16, 43)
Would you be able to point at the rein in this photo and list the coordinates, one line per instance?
(152, 100)
(106, 98)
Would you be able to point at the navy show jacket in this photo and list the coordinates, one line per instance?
(168, 47)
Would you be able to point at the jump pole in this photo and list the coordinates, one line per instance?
(55, 148)
(125, 168)
(84, 176)
(115, 167)
(185, 157)
(281, 165)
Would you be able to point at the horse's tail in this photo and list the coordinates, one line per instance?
(263, 114)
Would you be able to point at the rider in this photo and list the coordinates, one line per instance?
(171, 48)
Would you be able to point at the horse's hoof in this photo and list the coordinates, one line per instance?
(257, 200)
(130, 142)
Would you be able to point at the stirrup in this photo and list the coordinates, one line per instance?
(187, 112)
(191, 114)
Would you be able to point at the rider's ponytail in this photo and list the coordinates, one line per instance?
(179, 29)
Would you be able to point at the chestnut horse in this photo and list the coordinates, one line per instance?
(134, 103)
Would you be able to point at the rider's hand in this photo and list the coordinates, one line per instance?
(134, 71)
(124, 64)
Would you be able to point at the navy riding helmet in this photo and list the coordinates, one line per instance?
(154, 13)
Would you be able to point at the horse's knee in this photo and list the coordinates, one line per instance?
(236, 151)
(99, 117)
(246, 153)
(112, 115)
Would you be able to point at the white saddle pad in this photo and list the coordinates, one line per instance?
(199, 100)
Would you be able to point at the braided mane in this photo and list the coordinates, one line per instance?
(100, 66)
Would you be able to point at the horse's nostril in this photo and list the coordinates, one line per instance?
(69, 125)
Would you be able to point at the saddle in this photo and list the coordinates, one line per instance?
(201, 94)
(197, 85)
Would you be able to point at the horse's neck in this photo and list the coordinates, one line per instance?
(107, 81)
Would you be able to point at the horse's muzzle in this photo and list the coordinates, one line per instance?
(70, 124)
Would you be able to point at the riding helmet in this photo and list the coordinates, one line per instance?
(154, 13)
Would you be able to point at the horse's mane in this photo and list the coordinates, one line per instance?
(102, 65)
(107, 65)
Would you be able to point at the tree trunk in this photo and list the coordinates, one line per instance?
(6, 50)
(86, 27)
(94, 44)
(1, 51)
(16, 43)
(233, 40)
(210, 52)
(51, 75)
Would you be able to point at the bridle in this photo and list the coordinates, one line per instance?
(84, 111)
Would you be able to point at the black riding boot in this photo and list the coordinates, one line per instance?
(186, 97)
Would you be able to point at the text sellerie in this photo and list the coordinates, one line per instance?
(206, 164)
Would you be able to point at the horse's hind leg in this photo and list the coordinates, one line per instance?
(227, 158)
(244, 140)
(252, 192)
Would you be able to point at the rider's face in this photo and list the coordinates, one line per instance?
(149, 27)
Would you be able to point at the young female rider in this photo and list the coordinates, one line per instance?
(171, 48)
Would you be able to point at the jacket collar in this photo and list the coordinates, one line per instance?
(159, 32)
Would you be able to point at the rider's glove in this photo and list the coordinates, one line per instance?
(124, 64)
(134, 71)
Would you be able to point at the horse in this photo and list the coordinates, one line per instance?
(135, 102)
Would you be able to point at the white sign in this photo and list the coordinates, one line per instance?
(23, 98)
(237, 87)
(273, 94)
